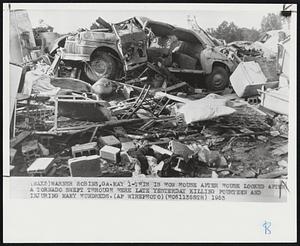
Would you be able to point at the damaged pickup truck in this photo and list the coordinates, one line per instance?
(124, 46)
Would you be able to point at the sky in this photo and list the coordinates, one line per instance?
(67, 18)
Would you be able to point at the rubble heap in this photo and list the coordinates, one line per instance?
(132, 128)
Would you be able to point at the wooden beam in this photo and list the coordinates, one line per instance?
(18, 139)
(179, 70)
(160, 94)
(171, 88)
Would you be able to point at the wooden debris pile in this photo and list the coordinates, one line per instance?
(146, 135)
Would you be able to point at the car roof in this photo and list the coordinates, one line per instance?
(164, 29)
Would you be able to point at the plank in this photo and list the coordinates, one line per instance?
(179, 70)
(18, 139)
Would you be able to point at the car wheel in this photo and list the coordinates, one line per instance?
(102, 65)
(218, 79)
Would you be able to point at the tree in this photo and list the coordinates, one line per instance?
(230, 32)
(42, 27)
(271, 22)
(227, 31)
(249, 34)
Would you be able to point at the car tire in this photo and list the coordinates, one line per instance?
(102, 65)
(218, 79)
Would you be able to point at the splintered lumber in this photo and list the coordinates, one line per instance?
(112, 123)
(245, 134)
(166, 141)
(124, 84)
(163, 107)
(53, 68)
(274, 174)
(106, 124)
(169, 134)
(138, 103)
(160, 94)
(137, 80)
(161, 150)
(147, 125)
(94, 133)
(173, 87)
(123, 122)
(178, 70)
(18, 139)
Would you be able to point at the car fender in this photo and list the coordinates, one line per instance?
(106, 47)
(89, 51)
(210, 56)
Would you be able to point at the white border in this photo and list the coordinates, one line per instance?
(147, 221)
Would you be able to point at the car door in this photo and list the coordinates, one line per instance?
(131, 43)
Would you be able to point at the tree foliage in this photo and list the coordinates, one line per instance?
(231, 32)
(271, 22)
(249, 34)
(42, 27)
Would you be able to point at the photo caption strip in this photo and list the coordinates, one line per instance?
(264, 190)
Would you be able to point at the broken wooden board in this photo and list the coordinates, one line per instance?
(179, 70)
(18, 139)
(274, 174)
(172, 87)
(160, 94)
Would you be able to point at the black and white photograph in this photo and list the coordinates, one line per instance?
(179, 102)
(135, 96)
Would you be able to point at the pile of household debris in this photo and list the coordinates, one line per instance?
(65, 126)
(130, 106)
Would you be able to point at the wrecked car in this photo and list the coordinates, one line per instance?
(124, 46)
(245, 49)
(191, 52)
(106, 51)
